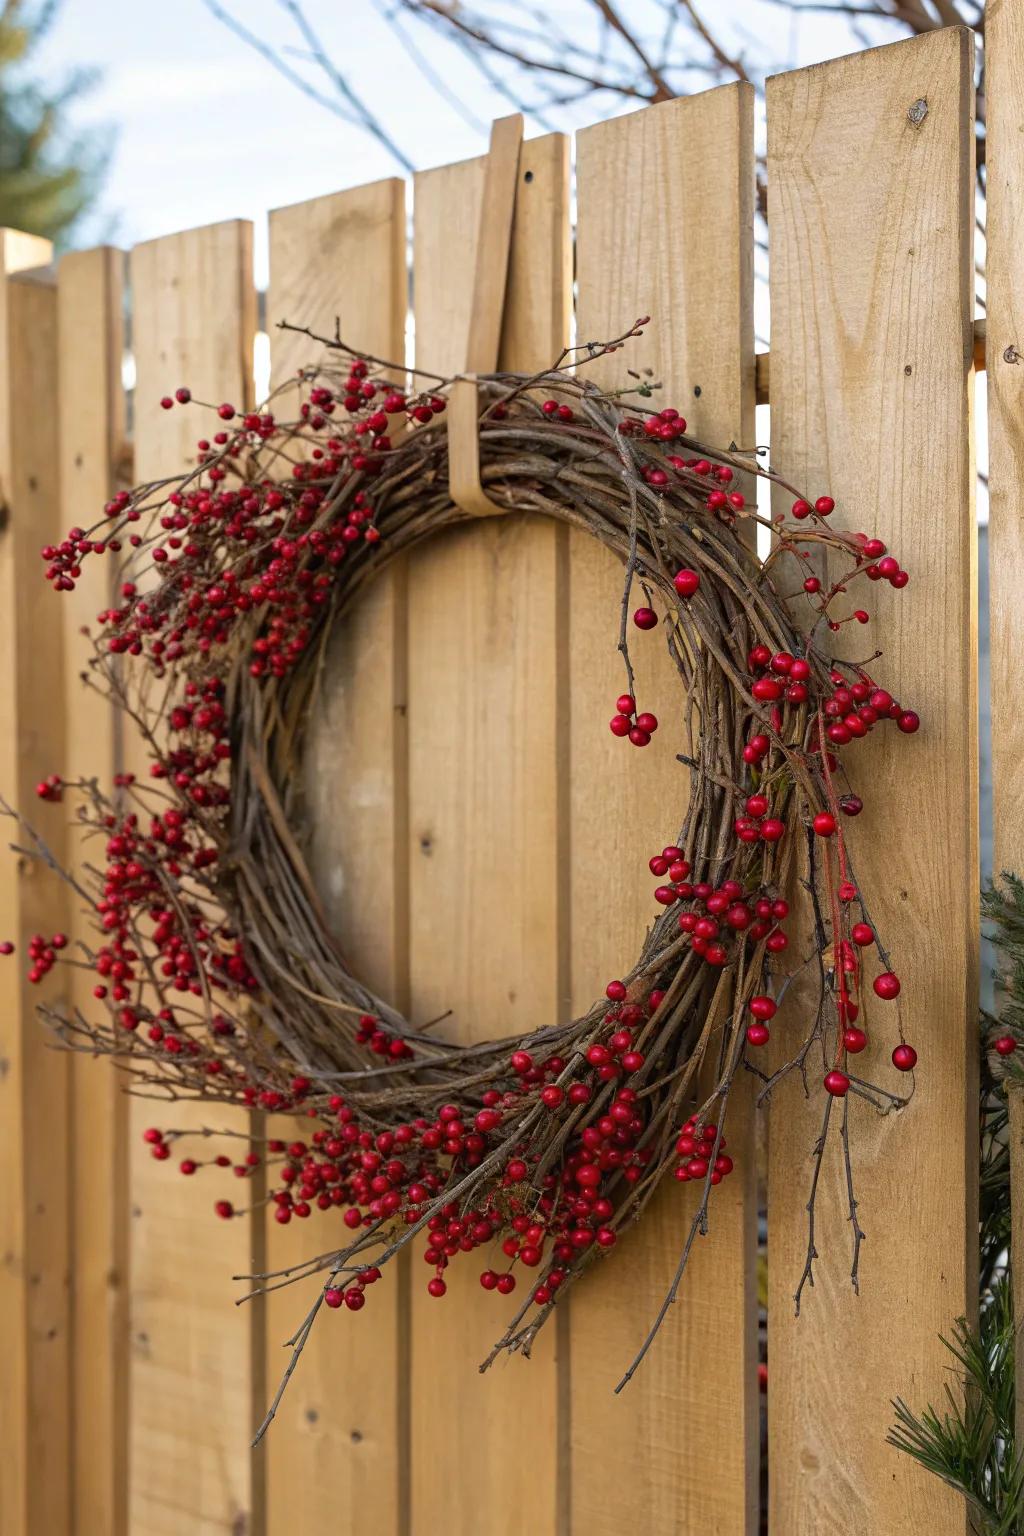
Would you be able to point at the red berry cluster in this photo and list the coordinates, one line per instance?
(626, 722)
(42, 954)
(701, 1153)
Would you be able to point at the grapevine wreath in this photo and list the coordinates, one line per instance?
(218, 974)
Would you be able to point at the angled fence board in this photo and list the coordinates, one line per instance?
(694, 277)
(195, 1371)
(485, 936)
(337, 1447)
(871, 293)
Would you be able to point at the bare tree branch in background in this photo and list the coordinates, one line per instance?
(547, 62)
(340, 98)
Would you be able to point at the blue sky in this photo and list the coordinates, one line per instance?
(205, 130)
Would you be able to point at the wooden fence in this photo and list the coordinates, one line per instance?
(462, 742)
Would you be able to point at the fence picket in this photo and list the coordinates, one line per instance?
(871, 291)
(1004, 304)
(338, 1446)
(661, 256)
(196, 1378)
(34, 1080)
(486, 665)
(91, 342)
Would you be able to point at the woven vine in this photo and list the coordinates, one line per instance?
(216, 970)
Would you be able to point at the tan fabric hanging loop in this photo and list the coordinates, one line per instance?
(497, 211)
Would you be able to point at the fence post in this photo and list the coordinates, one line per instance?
(34, 1223)
(1004, 295)
(871, 200)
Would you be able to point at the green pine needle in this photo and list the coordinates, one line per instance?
(971, 1443)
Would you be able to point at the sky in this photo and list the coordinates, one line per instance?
(205, 129)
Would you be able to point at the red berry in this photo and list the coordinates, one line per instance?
(766, 689)
(801, 509)
(886, 986)
(836, 1083)
(763, 1007)
(862, 934)
(435, 1287)
(758, 1034)
(1006, 1045)
(824, 505)
(625, 704)
(854, 1039)
(639, 737)
(333, 1297)
(616, 990)
(824, 824)
(772, 829)
(908, 722)
(619, 725)
(904, 1058)
(645, 618)
(686, 582)
(552, 1095)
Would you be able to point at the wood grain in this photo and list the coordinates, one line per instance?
(196, 1371)
(662, 257)
(486, 912)
(1004, 302)
(91, 420)
(35, 1488)
(338, 1447)
(871, 210)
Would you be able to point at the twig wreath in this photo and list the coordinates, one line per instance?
(220, 978)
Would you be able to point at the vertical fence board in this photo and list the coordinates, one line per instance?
(194, 1371)
(34, 1079)
(1004, 296)
(91, 417)
(485, 908)
(693, 275)
(871, 211)
(335, 1450)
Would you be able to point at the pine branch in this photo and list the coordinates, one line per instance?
(971, 1444)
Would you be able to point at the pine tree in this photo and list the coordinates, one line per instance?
(48, 176)
(970, 1441)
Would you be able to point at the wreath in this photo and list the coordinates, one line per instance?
(218, 972)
